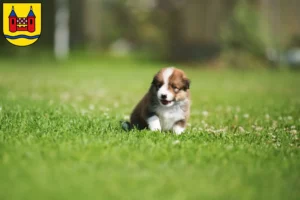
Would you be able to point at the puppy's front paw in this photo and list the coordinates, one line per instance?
(177, 129)
(155, 128)
(154, 123)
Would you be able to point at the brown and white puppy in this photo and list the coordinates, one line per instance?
(166, 105)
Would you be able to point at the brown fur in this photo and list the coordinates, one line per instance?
(139, 114)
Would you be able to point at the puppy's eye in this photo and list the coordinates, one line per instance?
(158, 85)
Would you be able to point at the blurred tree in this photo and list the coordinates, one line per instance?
(91, 17)
(77, 29)
(62, 29)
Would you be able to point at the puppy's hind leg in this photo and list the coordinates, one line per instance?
(126, 126)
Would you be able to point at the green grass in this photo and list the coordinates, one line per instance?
(60, 136)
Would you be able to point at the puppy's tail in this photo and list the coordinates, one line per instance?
(126, 126)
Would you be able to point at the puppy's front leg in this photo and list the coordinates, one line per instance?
(179, 127)
(154, 123)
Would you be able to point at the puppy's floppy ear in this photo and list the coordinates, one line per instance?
(187, 83)
(154, 80)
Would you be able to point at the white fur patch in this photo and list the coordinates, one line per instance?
(168, 116)
(164, 88)
(154, 123)
(178, 129)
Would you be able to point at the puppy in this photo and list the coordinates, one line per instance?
(166, 105)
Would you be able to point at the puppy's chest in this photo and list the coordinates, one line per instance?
(169, 116)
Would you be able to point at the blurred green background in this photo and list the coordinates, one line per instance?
(222, 33)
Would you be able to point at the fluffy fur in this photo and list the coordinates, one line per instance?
(166, 105)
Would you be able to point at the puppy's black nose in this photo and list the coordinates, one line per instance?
(163, 96)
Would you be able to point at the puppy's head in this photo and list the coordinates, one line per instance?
(170, 86)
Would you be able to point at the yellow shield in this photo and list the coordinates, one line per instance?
(22, 23)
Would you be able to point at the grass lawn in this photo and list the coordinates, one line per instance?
(60, 136)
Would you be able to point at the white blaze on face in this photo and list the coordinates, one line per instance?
(164, 88)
